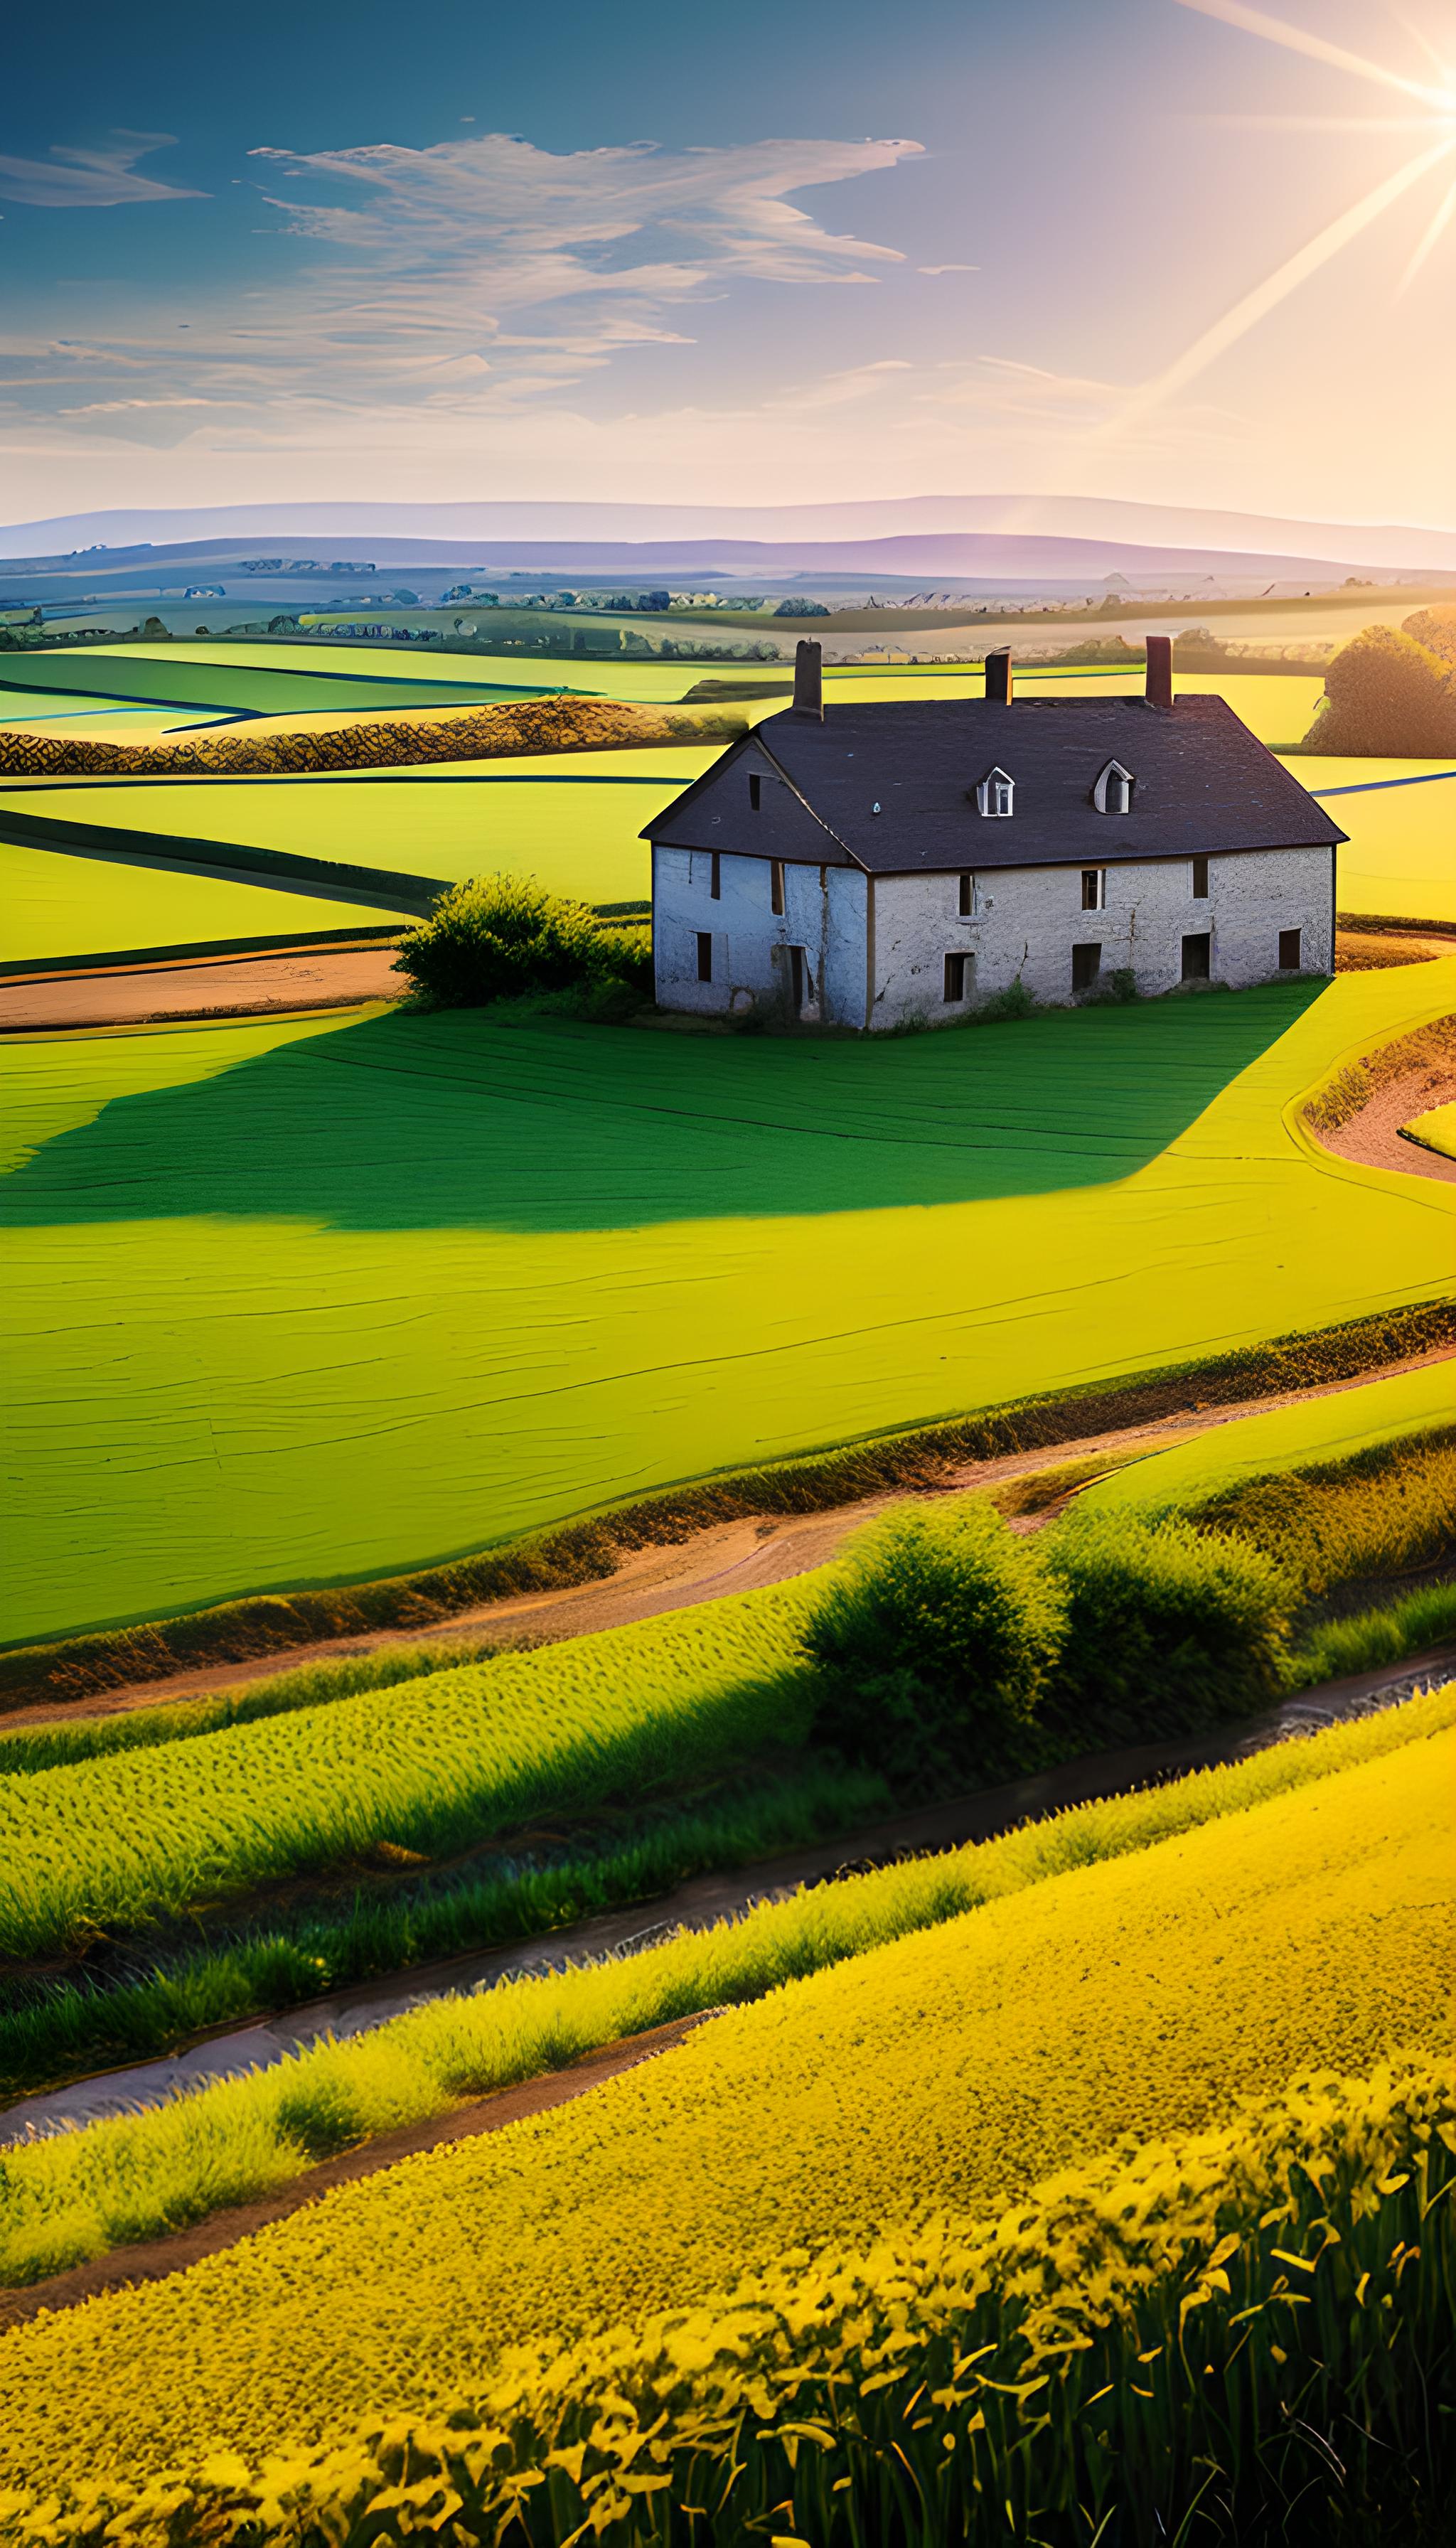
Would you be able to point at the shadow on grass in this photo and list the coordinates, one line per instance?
(467, 1120)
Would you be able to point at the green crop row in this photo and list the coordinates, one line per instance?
(61, 1745)
(70, 2198)
(59, 2030)
(440, 1764)
(429, 1767)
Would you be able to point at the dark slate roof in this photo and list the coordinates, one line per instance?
(1202, 783)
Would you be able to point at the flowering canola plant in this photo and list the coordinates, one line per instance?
(948, 2073)
(70, 2197)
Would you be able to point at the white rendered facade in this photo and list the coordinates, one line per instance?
(872, 951)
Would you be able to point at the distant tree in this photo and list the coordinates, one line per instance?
(1435, 629)
(797, 609)
(1387, 693)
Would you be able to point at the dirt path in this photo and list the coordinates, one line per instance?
(695, 1905)
(728, 1557)
(1372, 1139)
(213, 987)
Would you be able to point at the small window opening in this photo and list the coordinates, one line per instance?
(955, 972)
(968, 900)
(1086, 965)
(704, 954)
(1200, 880)
(1288, 950)
(754, 791)
(801, 980)
(1094, 888)
(715, 880)
(994, 794)
(775, 885)
(1195, 958)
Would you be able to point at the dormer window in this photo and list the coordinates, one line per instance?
(993, 795)
(1113, 794)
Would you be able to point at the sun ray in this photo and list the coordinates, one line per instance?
(1297, 39)
(1439, 221)
(1276, 287)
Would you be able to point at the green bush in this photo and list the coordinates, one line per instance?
(1166, 1624)
(494, 937)
(935, 1638)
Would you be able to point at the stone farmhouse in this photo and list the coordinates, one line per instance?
(871, 867)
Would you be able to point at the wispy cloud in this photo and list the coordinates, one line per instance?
(481, 273)
(72, 177)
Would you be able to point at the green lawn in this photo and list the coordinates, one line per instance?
(303, 1299)
(54, 904)
(570, 819)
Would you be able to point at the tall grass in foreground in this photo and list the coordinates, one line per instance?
(26, 1749)
(1245, 2338)
(72, 2196)
(71, 2028)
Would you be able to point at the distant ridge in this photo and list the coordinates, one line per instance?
(963, 535)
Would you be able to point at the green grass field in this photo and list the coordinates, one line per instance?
(1287, 1437)
(1401, 861)
(53, 905)
(272, 682)
(570, 819)
(325, 1298)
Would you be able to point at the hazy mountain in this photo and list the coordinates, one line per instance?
(1049, 536)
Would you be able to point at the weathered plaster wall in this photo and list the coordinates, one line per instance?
(823, 912)
(1026, 924)
(1030, 918)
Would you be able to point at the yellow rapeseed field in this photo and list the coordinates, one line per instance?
(950, 2072)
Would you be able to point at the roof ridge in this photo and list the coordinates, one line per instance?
(796, 790)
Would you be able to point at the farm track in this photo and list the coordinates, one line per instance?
(1372, 1138)
(697, 1905)
(236, 986)
(739, 1556)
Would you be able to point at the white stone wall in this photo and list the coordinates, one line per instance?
(1025, 923)
(1029, 919)
(823, 912)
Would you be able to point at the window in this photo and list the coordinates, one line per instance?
(704, 954)
(966, 904)
(959, 973)
(1288, 950)
(994, 793)
(1113, 791)
(755, 791)
(1086, 965)
(1195, 958)
(1094, 888)
(803, 980)
(1200, 880)
(775, 885)
(715, 880)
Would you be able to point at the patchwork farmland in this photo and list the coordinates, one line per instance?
(545, 1533)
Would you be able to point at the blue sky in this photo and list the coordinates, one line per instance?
(471, 250)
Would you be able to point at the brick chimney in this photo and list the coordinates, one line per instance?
(998, 676)
(1159, 690)
(808, 677)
